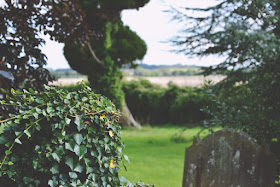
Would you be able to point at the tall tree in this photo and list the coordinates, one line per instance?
(102, 58)
(22, 24)
(247, 34)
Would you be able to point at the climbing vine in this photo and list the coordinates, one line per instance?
(58, 138)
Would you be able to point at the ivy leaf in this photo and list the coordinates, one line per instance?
(80, 150)
(56, 157)
(78, 138)
(123, 180)
(106, 139)
(17, 133)
(126, 158)
(3, 140)
(67, 120)
(78, 123)
(47, 87)
(70, 145)
(70, 162)
(27, 133)
(35, 164)
(73, 175)
(38, 110)
(8, 152)
(90, 170)
(93, 153)
(18, 141)
(49, 110)
(25, 117)
(79, 168)
(36, 116)
(54, 169)
(31, 90)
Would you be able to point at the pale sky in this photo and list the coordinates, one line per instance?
(154, 27)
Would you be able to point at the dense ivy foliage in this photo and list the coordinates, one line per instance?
(60, 138)
(156, 105)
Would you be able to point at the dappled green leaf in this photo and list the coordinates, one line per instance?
(67, 120)
(35, 164)
(78, 138)
(73, 175)
(126, 158)
(54, 169)
(8, 152)
(79, 168)
(3, 139)
(70, 145)
(70, 162)
(123, 180)
(18, 141)
(56, 157)
(80, 150)
(27, 133)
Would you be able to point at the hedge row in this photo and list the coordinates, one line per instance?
(153, 104)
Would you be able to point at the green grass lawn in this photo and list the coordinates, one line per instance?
(154, 159)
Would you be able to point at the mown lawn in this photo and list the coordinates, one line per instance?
(154, 159)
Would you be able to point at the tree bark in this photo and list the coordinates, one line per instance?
(127, 118)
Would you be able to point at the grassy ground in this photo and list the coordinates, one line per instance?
(154, 159)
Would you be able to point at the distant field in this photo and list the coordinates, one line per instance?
(67, 81)
(193, 81)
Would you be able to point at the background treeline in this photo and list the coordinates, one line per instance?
(163, 70)
(66, 73)
(152, 104)
(144, 70)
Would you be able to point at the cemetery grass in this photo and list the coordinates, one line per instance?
(154, 158)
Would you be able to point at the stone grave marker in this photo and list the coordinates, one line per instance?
(228, 158)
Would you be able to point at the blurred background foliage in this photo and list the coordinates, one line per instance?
(247, 34)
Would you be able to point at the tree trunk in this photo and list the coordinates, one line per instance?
(127, 118)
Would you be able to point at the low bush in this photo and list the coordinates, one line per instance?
(60, 138)
(153, 104)
(156, 105)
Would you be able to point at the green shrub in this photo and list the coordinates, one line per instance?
(60, 138)
(74, 87)
(156, 105)
(187, 107)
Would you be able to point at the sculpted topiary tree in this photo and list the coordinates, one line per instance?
(102, 58)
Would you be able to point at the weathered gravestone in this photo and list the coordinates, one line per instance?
(228, 158)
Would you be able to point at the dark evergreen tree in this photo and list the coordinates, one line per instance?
(247, 33)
